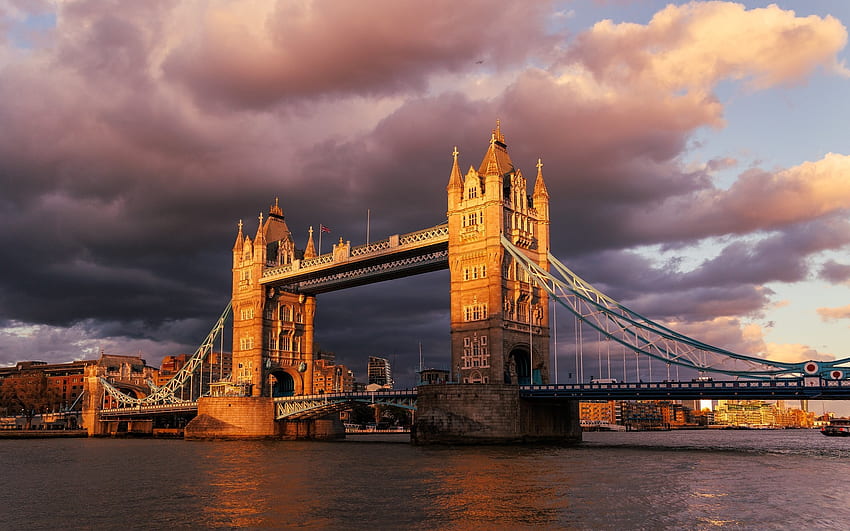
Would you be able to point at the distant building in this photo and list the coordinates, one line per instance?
(379, 372)
(761, 414)
(331, 378)
(215, 367)
(597, 413)
(434, 376)
(129, 374)
(67, 379)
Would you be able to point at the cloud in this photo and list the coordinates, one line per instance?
(833, 314)
(747, 339)
(691, 47)
(87, 339)
(279, 52)
(135, 136)
(835, 272)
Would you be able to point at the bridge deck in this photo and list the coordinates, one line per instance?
(788, 388)
(395, 257)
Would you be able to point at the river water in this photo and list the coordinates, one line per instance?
(791, 479)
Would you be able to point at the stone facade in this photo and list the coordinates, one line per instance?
(499, 319)
(272, 329)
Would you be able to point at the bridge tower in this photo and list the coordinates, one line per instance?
(499, 318)
(272, 329)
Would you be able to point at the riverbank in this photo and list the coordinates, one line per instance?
(42, 434)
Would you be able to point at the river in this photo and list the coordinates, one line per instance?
(791, 479)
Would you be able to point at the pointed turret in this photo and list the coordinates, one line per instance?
(539, 185)
(455, 186)
(310, 250)
(237, 247)
(496, 160)
(455, 180)
(260, 238)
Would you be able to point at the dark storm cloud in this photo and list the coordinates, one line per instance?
(130, 147)
(371, 48)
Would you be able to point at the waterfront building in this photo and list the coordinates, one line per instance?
(597, 413)
(758, 413)
(66, 378)
(129, 373)
(331, 378)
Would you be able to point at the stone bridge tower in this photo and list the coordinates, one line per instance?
(499, 318)
(272, 329)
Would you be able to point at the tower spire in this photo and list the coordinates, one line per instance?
(455, 180)
(539, 185)
(261, 236)
(310, 250)
(239, 238)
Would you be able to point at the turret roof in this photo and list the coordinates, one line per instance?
(455, 180)
(539, 184)
(496, 160)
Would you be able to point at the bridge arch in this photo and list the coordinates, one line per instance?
(284, 383)
(518, 370)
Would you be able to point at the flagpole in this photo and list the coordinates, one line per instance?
(368, 216)
(320, 240)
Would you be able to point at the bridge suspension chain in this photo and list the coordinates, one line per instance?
(166, 393)
(643, 336)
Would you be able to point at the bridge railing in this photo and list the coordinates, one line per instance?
(399, 393)
(152, 408)
(396, 242)
(806, 387)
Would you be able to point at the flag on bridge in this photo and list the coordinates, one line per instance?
(323, 228)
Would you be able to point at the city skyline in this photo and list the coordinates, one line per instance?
(696, 162)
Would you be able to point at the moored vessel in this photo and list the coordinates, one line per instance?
(837, 428)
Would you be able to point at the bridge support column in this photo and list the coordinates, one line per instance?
(231, 417)
(491, 414)
(92, 403)
(324, 429)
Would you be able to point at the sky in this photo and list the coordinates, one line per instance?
(696, 155)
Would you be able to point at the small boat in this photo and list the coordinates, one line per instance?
(837, 428)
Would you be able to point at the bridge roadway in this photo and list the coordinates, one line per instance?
(312, 406)
(398, 256)
(811, 388)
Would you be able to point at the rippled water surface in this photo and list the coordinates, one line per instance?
(793, 479)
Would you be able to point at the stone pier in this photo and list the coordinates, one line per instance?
(491, 414)
(253, 418)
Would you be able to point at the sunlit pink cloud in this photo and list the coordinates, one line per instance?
(693, 46)
(747, 339)
(833, 314)
(278, 51)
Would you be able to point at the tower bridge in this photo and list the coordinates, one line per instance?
(503, 277)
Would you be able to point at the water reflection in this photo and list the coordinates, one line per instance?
(775, 481)
(257, 484)
(472, 488)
